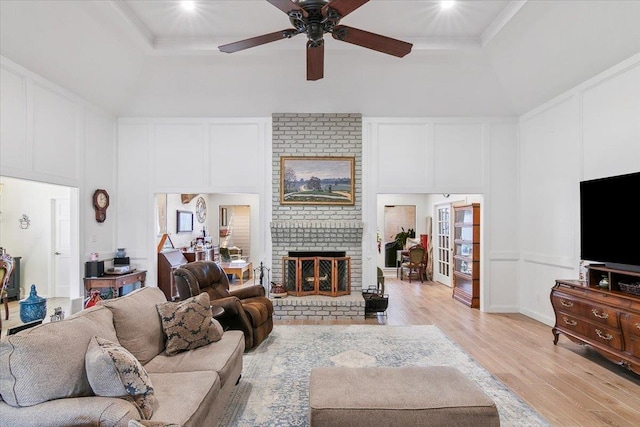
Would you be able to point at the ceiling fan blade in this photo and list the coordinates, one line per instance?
(315, 61)
(257, 41)
(343, 7)
(371, 41)
(287, 6)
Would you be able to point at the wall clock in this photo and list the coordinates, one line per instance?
(100, 204)
(201, 209)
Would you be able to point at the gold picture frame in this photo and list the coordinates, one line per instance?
(317, 180)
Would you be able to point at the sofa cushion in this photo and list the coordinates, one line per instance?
(148, 423)
(114, 372)
(188, 324)
(47, 361)
(186, 398)
(223, 357)
(137, 322)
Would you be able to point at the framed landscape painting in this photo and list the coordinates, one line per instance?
(317, 180)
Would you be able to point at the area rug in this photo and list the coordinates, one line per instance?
(274, 388)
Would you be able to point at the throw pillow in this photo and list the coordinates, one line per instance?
(113, 372)
(188, 324)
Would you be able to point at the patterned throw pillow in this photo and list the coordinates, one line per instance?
(188, 324)
(114, 372)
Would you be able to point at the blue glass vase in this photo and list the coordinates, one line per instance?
(33, 308)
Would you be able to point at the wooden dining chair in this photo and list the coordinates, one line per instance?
(415, 262)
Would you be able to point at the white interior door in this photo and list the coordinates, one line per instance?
(442, 245)
(62, 247)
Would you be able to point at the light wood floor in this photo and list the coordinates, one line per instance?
(568, 384)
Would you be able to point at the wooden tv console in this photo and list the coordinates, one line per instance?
(607, 319)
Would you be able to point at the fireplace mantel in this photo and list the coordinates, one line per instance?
(311, 232)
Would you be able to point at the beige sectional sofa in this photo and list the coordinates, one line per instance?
(43, 380)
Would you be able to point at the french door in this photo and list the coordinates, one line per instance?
(442, 250)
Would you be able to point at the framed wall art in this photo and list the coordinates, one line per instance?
(184, 221)
(317, 180)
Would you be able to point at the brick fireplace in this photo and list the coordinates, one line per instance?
(318, 228)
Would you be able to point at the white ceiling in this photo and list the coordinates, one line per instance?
(150, 58)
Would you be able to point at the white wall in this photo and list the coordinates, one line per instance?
(49, 135)
(218, 157)
(591, 131)
(530, 194)
(457, 156)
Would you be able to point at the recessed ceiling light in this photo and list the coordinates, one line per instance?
(188, 5)
(447, 4)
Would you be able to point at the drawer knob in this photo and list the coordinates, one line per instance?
(607, 336)
(599, 315)
(637, 325)
(566, 303)
(570, 322)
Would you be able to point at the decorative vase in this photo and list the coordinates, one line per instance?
(33, 308)
(604, 282)
(121, 253)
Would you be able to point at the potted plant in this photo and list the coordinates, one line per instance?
(401, 237)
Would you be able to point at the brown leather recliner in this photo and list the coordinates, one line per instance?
(246, 309)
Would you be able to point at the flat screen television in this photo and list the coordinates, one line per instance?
(184, 222)
(609, 228)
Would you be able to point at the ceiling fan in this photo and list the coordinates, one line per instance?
(315, 18)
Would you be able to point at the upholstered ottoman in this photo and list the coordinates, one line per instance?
(405, 396)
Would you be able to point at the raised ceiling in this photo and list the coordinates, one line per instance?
(165, 26)
(150, 58)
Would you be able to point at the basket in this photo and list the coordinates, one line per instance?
(630, 288)
(374, 302)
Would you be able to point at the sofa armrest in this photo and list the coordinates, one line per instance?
(248, 292)
(71, 411)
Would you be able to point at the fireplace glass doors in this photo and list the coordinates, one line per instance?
(317, 275)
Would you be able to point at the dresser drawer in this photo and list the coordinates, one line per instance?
(609, 337)
(593, 312)
(571, 322)
(630, 324)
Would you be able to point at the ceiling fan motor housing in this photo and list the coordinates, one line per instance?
(315, 24)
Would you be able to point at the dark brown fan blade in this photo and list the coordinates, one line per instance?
(257, 41)
(315, 61)
(371, 41)
(343, 7)
(287, 6)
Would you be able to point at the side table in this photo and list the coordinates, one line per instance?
(114, 281)
(216, 311)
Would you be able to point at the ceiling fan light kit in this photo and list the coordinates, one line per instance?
(315, 18)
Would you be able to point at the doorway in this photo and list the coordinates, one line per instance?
(433, 216)
(52, 225)
(235, 229)
(224, 220)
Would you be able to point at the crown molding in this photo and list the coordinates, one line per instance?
(501, 21)
(177, 46)
(138, 29)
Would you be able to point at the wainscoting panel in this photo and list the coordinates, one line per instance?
(13, 116)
